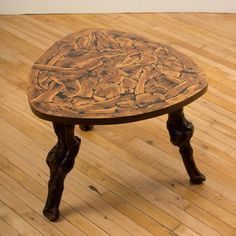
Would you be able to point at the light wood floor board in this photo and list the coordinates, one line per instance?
(128, 179)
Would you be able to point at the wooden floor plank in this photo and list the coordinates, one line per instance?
(146, 190)
(67, 225)
(16, 221)
(7, 230)
(28, 214)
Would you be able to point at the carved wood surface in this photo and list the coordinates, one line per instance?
(106, 76)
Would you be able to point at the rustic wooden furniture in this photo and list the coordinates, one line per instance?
(97, 77)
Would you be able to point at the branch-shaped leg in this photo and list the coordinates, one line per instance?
(181, 131)
(86, 127)
(60, 161)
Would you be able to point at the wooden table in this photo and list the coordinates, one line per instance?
(98, 77)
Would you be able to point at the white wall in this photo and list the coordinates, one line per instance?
(92, 6)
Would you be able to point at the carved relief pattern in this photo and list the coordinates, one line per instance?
(105, 74)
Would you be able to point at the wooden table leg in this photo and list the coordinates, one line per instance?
(60, 161)
(86, 127)
(181, 131)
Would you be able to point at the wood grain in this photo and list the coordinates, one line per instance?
(106, 76)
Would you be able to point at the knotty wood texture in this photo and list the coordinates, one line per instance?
(128, 179)
(104, 76)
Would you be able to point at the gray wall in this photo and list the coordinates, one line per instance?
(94, 6)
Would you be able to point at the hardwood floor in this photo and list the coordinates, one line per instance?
(128, 179)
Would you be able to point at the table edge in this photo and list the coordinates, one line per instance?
(118, 120)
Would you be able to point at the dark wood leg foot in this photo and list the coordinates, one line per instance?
(86, 127)
(60, 161)
(181, 131)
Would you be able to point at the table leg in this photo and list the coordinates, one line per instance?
(60, 161)
(181, 131)
(86, 127)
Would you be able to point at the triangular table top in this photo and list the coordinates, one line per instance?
(105, 77)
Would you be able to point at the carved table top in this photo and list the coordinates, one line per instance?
(105, 76)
